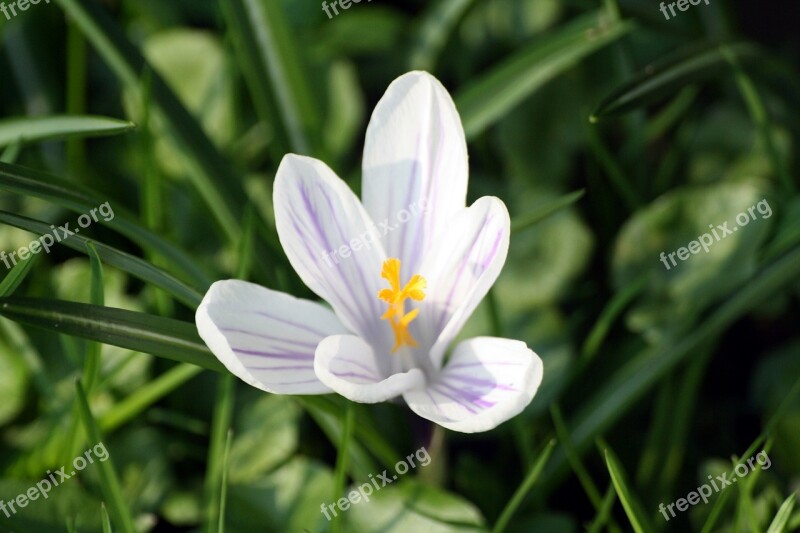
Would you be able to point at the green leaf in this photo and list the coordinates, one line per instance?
(529, 219)
(669, 75)
(412, 506)
(122, 260)
(108, 477)
(105, 518)
(288, 499)
(438, 22)
(275, 58)
(524, 488)
(677, 290)
(164, 337)
(497, 92)
(216, 182)
(621, 392)
(16, 276)
(781, 519)
(632, 506)
(219, 449)
(27, 129)
(76, 198)
(91, 368)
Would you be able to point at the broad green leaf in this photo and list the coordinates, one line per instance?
(163, 337)
(678, 289)
(266, 436)
(76, 198)
(497, 92)
(14, 380)
(122, 260)
(46, 515)
(632, 506)
(288, 499)
(669, 75)
(28, 129)
(411, 506)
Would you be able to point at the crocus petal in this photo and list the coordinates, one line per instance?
(487, 381)
(415, 165)
(331, 243)
(348, 365)
(264, 337)
(465, 262)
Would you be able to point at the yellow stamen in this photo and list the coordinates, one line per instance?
(396, 297)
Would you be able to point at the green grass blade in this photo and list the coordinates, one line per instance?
(438, 22)
(124, 261)
(163, 337)
(78, 199)
(527, 220)
(781, 519)
(256, 75)
(342, 455)
(223, 493)
(106, 520)
(621, 391)
(668, 75)
(497, 92)
(631, 505)
(108, 476)
(272, 60)
(91, 369)
(16, 276)
(758, 113)
(146, 395)
(220, 428)
(524, 488)
(216, 182)
(619, 302)
(29, 129)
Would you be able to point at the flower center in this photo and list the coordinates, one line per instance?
(396, 298)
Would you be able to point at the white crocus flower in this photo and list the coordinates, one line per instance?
(399, 293)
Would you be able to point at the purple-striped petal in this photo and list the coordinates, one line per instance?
(487, 381)
(331, 243)
(460, 270)
(415, 167)
(264, 337)
(349, 366)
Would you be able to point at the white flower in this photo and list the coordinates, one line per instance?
(400, 293)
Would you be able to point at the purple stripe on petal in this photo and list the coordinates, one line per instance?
(285, 355)
(353, 375)
(312, 345)
(459, 402)
(358, 364)
(464, 365)
(480, 382)
(285, 367)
